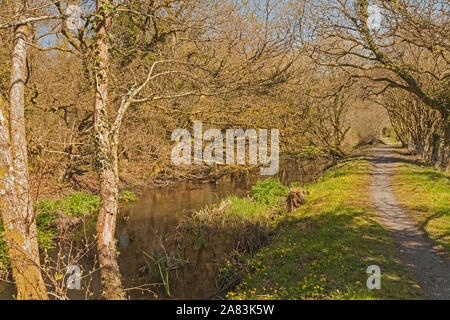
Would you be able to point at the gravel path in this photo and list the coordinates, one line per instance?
(431, 269)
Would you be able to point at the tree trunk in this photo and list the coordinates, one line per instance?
(106, 165)
(444, 157)
(16, 205)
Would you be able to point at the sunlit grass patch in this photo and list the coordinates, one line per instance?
(76, 204)
(393, 141)
(237, 218)
(237, 223)
(323, 249)
(268, 192)
(425, 193)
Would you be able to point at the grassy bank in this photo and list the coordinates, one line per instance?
(323, 249)
(229, 229)
(425, 193)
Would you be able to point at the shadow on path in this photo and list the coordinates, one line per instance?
(431, 269)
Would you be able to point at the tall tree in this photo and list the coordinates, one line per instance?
(106, 157)
(17, 206)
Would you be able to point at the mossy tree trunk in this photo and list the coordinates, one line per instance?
(106, 162)
(16, 205)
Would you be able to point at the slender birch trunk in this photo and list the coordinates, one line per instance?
(106, 164)
(16, 205)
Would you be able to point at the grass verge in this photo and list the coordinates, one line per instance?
(322, 250)
(425, 193)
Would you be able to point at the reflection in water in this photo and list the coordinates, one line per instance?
(6, 291)
(124, 239)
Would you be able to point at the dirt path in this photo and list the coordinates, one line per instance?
(430, 268)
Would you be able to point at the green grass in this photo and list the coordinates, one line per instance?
(392, 140)
(231, 211)
(239, 223)
(77, 204)
(268, 191)
(323, 249)
(425, 193)
(4, 261)
(128, 196)
(234, 213)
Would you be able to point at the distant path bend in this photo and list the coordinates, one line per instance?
(431, 269)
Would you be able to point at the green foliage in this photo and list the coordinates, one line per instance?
(128, 196)
(77, 204)
(227, 273)
(231, 213)
(45, 230)
(235, 223)
(161, 264)
(268, 191)
(245, 209)
(4, 262)
(311, 151)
